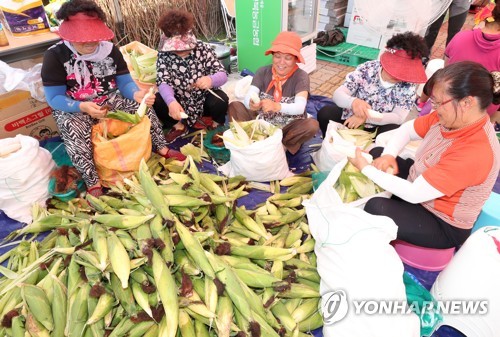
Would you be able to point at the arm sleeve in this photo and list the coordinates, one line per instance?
(397, 116)
(218, 79)
(402, 136)
(343, 97)
(296, 108)
(251, 90)
(417, 192)
(58, 100)
(126, 85)
(167, 93)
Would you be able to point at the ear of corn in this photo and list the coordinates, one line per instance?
(194, 249)
(118, 256)
(39, 305)
(167, 290)
(103, 307)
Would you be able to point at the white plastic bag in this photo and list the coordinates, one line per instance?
(262, 161)
(355, 258)
(332, 178)
(24, 177)
(18, 79)
(472, 278)
(327, 156)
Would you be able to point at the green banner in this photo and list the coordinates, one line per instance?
(257, 24)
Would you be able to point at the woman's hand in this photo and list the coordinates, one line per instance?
(269, 106)
(139, 95)
(175, 110)
(386, 163)
(93, 110)
(360, 108)
(354, 122)
(359, 161)
(204, 83)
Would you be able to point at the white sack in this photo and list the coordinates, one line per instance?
(354, 255)
(24, 177)
(262, 161)
(327, 156)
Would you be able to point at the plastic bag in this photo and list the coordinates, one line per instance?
(24, 177)
(118, 158)
(18, 79)
(327, 156)
(25, 17)
(419, 297)
(354, 257)
(263, 161)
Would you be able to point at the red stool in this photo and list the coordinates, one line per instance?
(430, 259)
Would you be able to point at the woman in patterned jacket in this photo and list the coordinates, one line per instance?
(81, 75)
(387, 86)
(187, 71)
(279, 92)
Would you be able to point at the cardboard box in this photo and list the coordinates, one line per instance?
(22, 114)
(360, 33)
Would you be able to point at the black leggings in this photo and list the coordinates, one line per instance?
(416, 224)
(332, 112)
(212, 107)
(455, 23)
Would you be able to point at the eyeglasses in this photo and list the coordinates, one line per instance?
(437, 105)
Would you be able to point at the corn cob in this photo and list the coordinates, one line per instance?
(140, 329)
(312, 322)
(250, 224)
(38, 305)
(119, 259)
(153, 192)
(299, 291)
(123, 295)
(201, 330)
(122, 221)
(59, 308)
(280, 311)
(123, 328)
(295, 180)
(35, 328)
(167, 291)
(194, 249)
(141, 298)
(104, 306)
(256, 279)
(18, 329)
(305, 309)
(262, 252)
(224, 316)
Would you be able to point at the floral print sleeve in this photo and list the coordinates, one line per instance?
(181, 73)
(364, 83)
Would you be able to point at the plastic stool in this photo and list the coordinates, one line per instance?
(430, 259)
(490, 214)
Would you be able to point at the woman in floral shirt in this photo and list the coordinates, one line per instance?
(387, 86)
(82, 74)
(187, 70)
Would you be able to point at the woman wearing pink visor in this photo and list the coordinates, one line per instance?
(82, 74)
(387, 86)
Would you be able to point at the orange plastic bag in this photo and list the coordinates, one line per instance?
(118, 158)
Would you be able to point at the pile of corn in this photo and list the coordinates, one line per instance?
(246, 133)
(352, 184)
(166, 253)
(143, 65)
